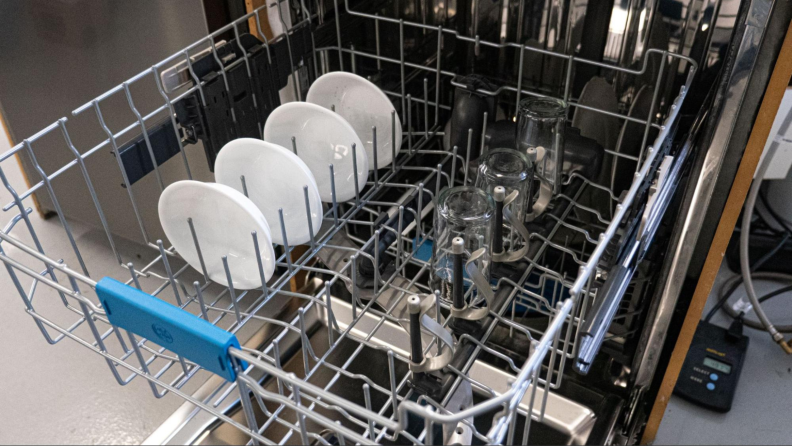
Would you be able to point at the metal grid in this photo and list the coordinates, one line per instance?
(167, 277)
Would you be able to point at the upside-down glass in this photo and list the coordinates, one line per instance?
(508, 168)
(512, 170)
(464, 212)
(540, 133)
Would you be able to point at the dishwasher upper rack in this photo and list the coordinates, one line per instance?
(169, 284)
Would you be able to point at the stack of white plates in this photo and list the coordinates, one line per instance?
(274, 188)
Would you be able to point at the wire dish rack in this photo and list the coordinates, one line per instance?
(554, 287)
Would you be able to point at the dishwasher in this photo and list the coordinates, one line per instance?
(568, 349)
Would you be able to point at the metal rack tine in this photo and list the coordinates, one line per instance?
(300, 417)
(294, 144)
(171, 278)
(331, 320)
(399, 245)
(409, 124)
(89, 318)
(310, 218)
(426, 107)
(352, 56)
(144, 365)
(419, 215)
(333, 196)
(376, 261)
(313, 40)
(438, 318)
(264, 286)
(286, 248)
(374, 152)
(467, 153)
(262, 35)
(198, 245)
(355, 173)
(439, 179)
(249, 73)
(276, 353)
(172, 113)
(393, 140)
(429, 427)
(201, 303)
(519, 79)
(195, 78)
(529, 415)
(231, 292)
(437, 74)
(452, 179)
(145, 135)
(307, 349)
(483, 134)
(394, 392)
(131, 268)
(354, 263)
(377, 41)
(512, 422)
(244, 185)
(367, 401)
(184, 366)
(225, 80)
(247, 405)
(401, 67)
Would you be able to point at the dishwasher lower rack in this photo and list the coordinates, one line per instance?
(541, 307)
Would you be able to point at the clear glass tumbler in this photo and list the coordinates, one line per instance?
(512, 170)
(540, 134)
(465, 212)
(508, 168)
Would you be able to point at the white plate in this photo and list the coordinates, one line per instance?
(275, 178)
(223, 220)
(323, 138)
(364, 106)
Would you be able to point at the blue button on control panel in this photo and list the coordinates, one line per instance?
(710, 386)
(714, 376)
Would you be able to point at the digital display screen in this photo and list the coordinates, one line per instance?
(717, 365)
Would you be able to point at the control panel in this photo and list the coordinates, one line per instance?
(712, 368)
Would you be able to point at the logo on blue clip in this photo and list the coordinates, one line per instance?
(162, 333)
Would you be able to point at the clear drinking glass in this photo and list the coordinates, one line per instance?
(512, 170)
(540, 134)
(508, 168)
(464, 212)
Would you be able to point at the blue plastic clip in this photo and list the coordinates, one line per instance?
(169, 326)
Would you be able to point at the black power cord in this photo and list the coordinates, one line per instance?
(758, 264)
(723, 299)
